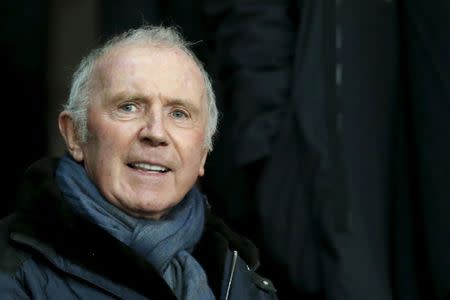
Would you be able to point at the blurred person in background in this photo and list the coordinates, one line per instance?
(333, 149)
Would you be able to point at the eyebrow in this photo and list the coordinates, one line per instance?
(185, 103)
(125, 96)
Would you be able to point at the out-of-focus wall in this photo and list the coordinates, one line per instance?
(73, 31)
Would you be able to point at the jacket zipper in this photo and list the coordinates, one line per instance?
(230, 280)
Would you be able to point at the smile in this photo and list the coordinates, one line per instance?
(149, 167)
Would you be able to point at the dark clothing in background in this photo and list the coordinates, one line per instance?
(120, 15)
(47, 250)
(314, 152)
(427, 73)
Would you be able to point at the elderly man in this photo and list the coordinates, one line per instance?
(120, 216)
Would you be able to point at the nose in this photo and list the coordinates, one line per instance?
(153, 131)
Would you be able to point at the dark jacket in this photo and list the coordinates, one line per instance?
(49, 252)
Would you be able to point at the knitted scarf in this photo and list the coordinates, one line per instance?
(166, 243)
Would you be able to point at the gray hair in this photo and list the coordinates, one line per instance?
(79, 97)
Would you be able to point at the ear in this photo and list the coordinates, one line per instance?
(201, 170)
(68, 131)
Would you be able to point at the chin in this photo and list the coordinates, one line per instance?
(151, 209)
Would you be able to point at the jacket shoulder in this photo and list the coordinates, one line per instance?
(11, 256)
(234, 241)
(248, 284)
(230, 261)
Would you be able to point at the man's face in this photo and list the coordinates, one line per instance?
(146, 121)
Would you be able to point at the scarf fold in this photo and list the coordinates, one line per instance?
(166, 243)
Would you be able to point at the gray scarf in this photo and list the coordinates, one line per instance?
(167, 243)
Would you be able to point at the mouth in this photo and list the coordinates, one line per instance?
(148, 167)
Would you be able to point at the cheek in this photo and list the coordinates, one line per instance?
(196, 152)
(105, 143)
(101, 161)
(109, 137)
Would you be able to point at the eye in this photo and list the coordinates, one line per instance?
(179, 114)
(128, 107)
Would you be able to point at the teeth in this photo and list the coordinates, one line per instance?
(149, 167)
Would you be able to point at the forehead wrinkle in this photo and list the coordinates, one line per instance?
(97, 82)
(193, 68)
(104, 71)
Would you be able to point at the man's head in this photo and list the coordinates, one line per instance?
(141, 116)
